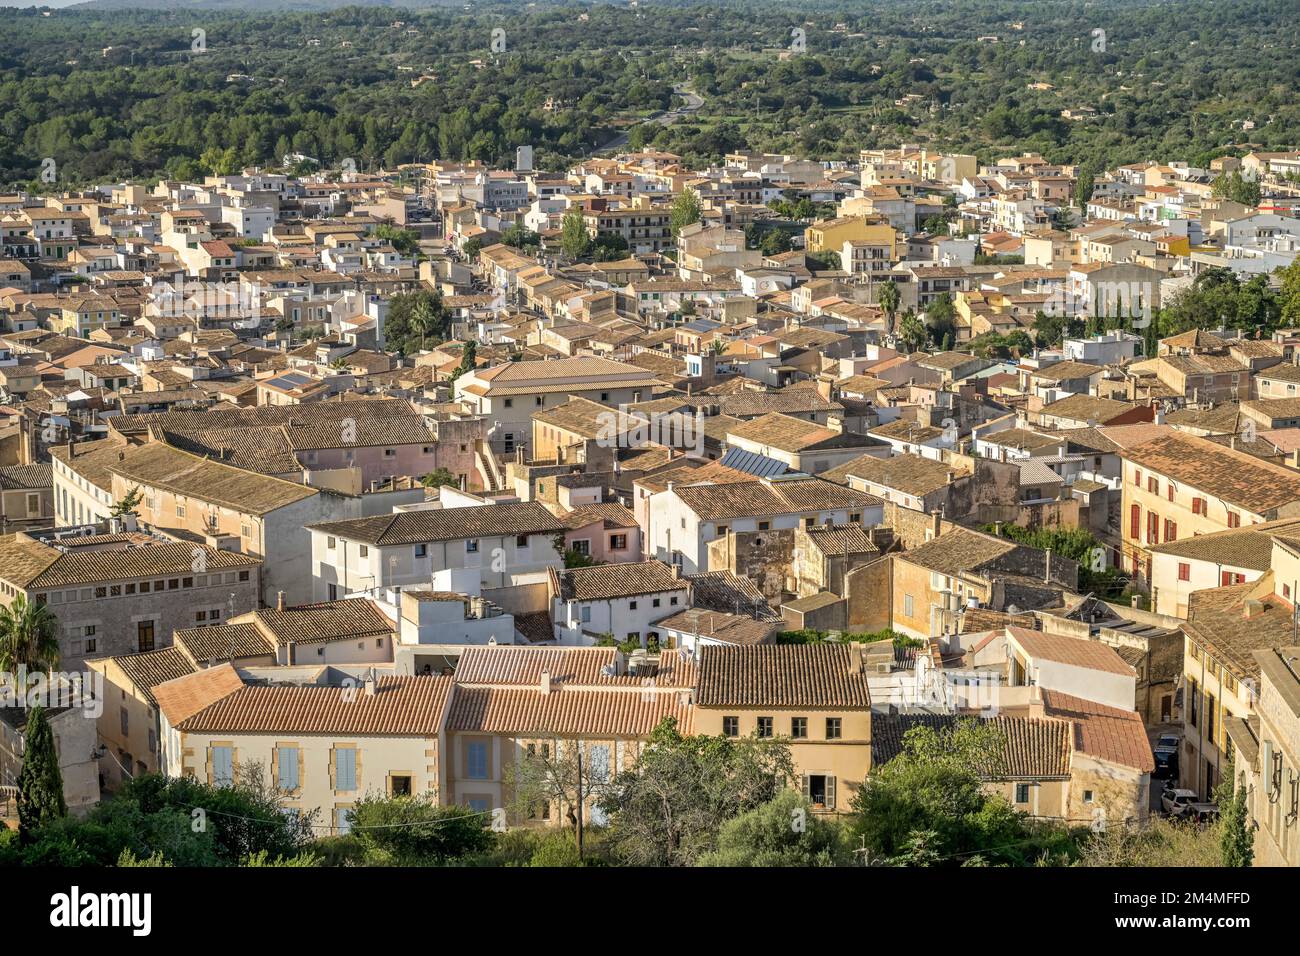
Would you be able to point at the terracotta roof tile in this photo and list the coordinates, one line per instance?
(399, 706)
(567, 713)
(784, 675)
(604, 581)
(1107, 733)
(1034, 747)
(447, 524)
(1074, 651)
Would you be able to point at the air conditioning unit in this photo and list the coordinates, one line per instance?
(884, 667)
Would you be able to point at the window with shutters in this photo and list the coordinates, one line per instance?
(1234, 520)
(819, 790)
(1135, 521)
(345, 768)
(1171, 530)
(599, 759)
(286, 767)
(1184, 571)
(222, 762)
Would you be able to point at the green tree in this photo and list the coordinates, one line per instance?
(414, 831)
(439, 478)
(685, 210)
(575, 241)
(520, 238)
(29, 637)
(1236, 842)
(929, 802)
(413, 318)
(472, 248)
(667, 809)
(129, 503)
(40, 782)
(888, 298)
(553, 776)
(782, 832)
(912, 333)
(405, 241)
(941, 319)
(1049, 330)
(1289, 294)
(468, 360)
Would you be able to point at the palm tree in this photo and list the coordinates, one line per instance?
(888, 299)
(29, 637)
(423, 319)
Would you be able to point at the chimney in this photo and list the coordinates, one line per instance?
(279, 600)
(677, 572)
(1253, 608)
(855, 658)
(1047, 565)
(936, 523)
(370, 683)
(546, 682)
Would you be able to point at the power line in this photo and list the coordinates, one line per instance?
(327, 826)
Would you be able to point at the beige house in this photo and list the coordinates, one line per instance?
(323, 747)
(1268, 758)
(348, 633)
(815, 696)
(513, 701)
(1221, 672)
(1178, 485)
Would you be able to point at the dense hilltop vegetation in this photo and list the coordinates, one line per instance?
(116, 93)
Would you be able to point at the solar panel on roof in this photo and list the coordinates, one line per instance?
(752, 463)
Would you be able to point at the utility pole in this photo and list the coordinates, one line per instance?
(579, 802)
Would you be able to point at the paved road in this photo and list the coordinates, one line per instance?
(664, 118)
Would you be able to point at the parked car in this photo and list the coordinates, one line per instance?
(1181, 803)
(1165, 752)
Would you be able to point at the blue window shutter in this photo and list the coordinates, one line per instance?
(347, 769)
(288, 768)
(223, 766)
